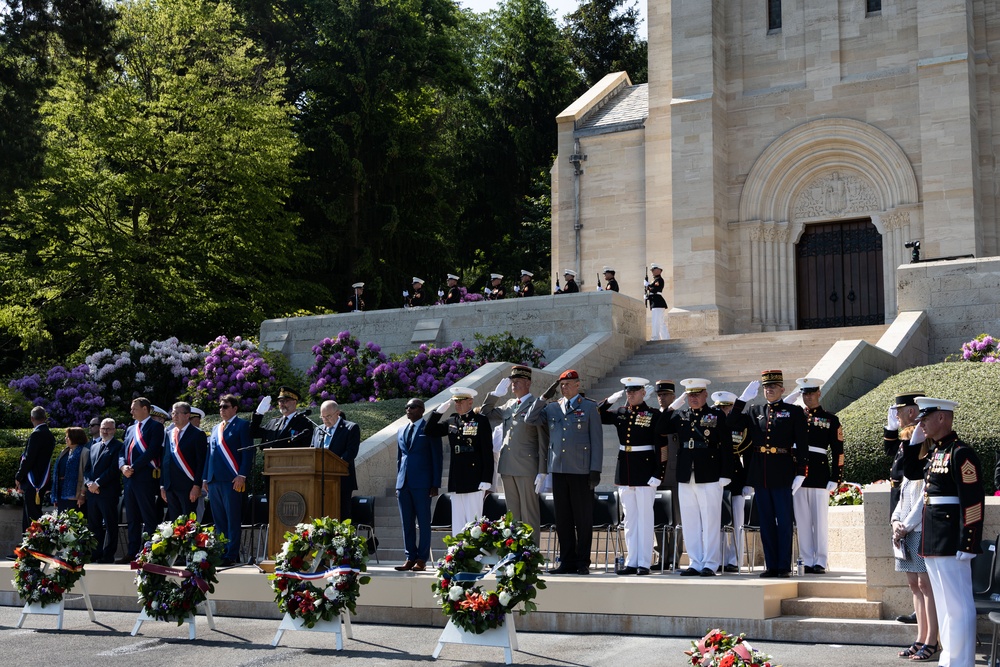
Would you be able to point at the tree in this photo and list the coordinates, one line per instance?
(604, 39)
(160, 210)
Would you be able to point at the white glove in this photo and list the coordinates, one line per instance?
(964, 555)
(443, 408)
(724, 482)
(440, 293)
(797, 483)
(406, 293)
(486, 291)
(750, 392)
(502, 388)
(645, 283)
(747, 490)
(264, 405)
(792, 396)
(650, 393)
(615, 397)
(653, 482)
(517, 288)
(892, 419)
(679, 402)
(831, 487)
(600, 289)
(539, 483)
(918, 436)
(484, 486)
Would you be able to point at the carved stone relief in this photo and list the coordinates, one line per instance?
(835, 194)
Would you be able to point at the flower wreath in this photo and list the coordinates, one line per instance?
(325, 551)
(181, 550)
(517, 573)
(718, 648)
(63, 541)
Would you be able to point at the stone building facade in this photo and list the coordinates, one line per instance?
(777, 171)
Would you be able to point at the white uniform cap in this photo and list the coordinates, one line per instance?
(527, 273)
(358, 285)
(694, 385)
(724, 398)
(419, 280)
(569, 272)
(634, 382)
(496, 276)
(609, 269)
(452, 276)
(654, 265)
(159, 412)
(929, 405)
(808, 384)
(198, 411)
(458, 393)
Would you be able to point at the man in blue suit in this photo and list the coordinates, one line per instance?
(104, 488)
(230, 458)
(343, 438)
(418, 478)
(183, 463)
(139, 462)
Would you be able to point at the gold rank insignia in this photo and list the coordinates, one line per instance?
(969, 475)
(840, 433)
(974, 514)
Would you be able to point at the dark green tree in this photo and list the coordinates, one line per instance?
(604, 38)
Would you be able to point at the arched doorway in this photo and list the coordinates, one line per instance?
(839, 275)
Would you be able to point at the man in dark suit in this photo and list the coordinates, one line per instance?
(183, 462)
(104, 487)
(139, 462)
(229, 460)
(34, 472)
(291, 429)
(418, 479)
(343, 438)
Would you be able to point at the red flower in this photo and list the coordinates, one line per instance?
(727, 660)
(510, 541)
(205, 565)
(281, 583)
(296, 563)
(201, 539)
(179, 531)
(447, 558)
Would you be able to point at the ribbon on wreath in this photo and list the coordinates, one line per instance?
(46, 558)
(178, 572)
(313, 576)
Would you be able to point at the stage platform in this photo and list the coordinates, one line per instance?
(601, 603)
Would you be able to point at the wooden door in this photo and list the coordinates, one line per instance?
(839, 275)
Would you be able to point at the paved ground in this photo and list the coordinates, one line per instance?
(246, 643)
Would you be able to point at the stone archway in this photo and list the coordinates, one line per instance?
(824, 170)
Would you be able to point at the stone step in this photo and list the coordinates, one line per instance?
(829, 607)
(832, 588)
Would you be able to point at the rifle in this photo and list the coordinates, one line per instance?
(645, 287)
(558, 288)
(599, 288)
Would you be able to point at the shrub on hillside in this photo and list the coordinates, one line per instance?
(504, 347)
(424, 371)
(14, 408)
(344, 369)
(231, 367)
(160, 372)
(976, 387)
(70, 396)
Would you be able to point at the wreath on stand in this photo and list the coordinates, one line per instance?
(517, 571)
(318, 572)
(61, 541)
(178, 568)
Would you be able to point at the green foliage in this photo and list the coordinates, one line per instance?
(283, 372)
(504, 347)
(974, 386)
(604, 35)
(10, 459)
(14, 408)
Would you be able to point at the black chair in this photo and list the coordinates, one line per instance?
(547, 523)
(985, 583)
(663, 524)
(440, 518)
(495, 506)
(363, 519)
(727, 526)
(606, 521)
(751, 528)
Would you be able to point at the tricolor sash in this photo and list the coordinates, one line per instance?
(181, 461)
(46, 558)
(313, 576)
(226, 452)
(31, 480)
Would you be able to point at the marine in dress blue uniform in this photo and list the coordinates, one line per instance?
(527, 287)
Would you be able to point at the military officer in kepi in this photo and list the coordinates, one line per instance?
(639, 471)
(704, 468)
(952, 528)
(737, 425)
(527, 287)
(470, 446)
(825, 473)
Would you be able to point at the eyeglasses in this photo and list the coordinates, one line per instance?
(224, 406)
(413, 407)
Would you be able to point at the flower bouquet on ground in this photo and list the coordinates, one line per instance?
(51, 557)
(318, 572)
(848, 493)
(458, 587)
(11, 496)
(178, 568)
(718, 648)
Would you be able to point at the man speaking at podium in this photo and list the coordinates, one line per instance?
(343, 438)
(291, 429)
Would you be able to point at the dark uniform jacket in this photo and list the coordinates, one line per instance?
(298, 428)
(570, 287)
(894, 442)
(636, 427)
(825, 433)
(454, 295)
(496, 293)
(350, 304)
(576, 437)
(527, 289)
(36, 457)
(777, 453)
(655, 295)
(952, 470)
(613, 285)
(705, 448)
(738, 427)
(470, 444)
(416, 298)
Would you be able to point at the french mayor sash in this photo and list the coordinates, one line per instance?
(179, 457)
(226, 452)
(46, 558)
(313, 576)
(140, 442)
(38, 487)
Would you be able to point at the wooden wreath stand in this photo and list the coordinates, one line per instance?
(305, 485)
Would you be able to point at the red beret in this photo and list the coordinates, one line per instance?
(569, 375)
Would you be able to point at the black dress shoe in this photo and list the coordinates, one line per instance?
(690, 572)
(819, 569)
(731, 569)
(583, 569)
(707, 572)
(628, 570)
(643, 571)
(784, 574)
(559, 570)
(809, 569)
(768, 574)
(123, 561)
(909, 619)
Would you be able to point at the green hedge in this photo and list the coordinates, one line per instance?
(976, 387)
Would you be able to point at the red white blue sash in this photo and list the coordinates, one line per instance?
(140, 442)
(31, 477)
(226, 452)
(313, 576)
(181, 461)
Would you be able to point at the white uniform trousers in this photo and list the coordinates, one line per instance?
(701, 517)
(812, 511)
(659, 324)
(734, 556)
(951, 581)
(465, 507)
(637, 503)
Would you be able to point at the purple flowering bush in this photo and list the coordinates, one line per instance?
(159, 372)
(467, 297)
(231, 367)
(424, 371)
(344, 369)
(981, 348)
(70, 396)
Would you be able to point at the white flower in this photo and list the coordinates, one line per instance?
(478, 558)
(506, 532)
(156, 538)
(331, 593)
(166, 530)
(455, 593)
(340, 551)
(154, 605)
(199, 556)
(510, 570)
(504, 598)
(476, 532)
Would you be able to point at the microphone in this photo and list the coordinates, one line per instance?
(305, 413)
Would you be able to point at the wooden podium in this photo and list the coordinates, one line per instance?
(305, 484)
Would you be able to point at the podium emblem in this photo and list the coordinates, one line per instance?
(291, 508)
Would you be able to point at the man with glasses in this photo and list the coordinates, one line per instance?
(184, 455)
(343, 438)
(104, 487)
(139, 463)
(291, 429)
(230, 458)
(418, 478)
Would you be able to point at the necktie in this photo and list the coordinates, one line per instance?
(284, 421)
(409, 434)
(326, 440)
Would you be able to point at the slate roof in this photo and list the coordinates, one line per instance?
(626, 110)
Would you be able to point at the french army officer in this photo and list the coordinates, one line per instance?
(576, 450)
(291, 429)
(639, 471)
(470, 446)
(524, 453)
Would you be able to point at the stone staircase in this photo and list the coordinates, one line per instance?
(834, 595)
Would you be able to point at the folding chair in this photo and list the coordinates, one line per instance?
(363, 519)
(495, 506)
(727, 524)
(663, 523)
(606, 521)
(441, 518)
(751, 527)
